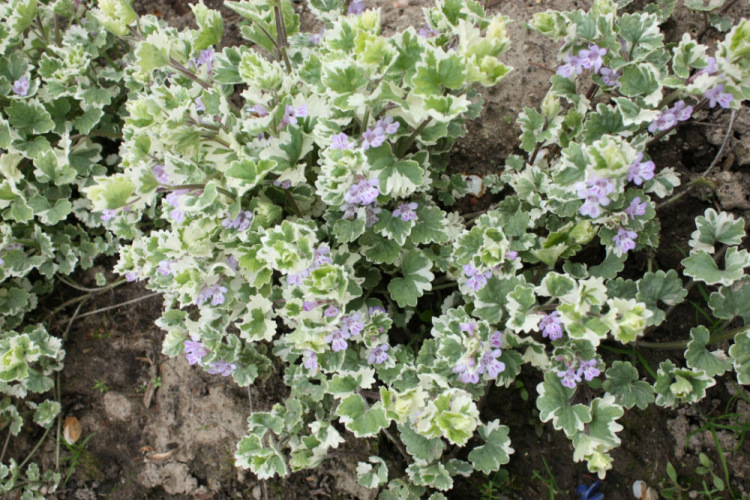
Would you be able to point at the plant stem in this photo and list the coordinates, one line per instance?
(281, 36)
(682, 344)
(36, 447)
(698, 181)
(5, 446)
(404, 147)
(86, 296)
(182, 69)
(397, 444)
(292, 203)
(115, 306)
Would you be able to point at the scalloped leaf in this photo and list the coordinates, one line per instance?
(698, 357)
(701, 266)
(660, 286)
(496, 451)
(622, 382)
(553, 404)
(713, 227)
(417, 278)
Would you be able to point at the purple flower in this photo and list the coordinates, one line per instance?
(297, 278)
(291, 114)
(591, 207)
(379, 355)
(309, 305)
(214, 292)
(165, 267)
(717, 95)
(349, 209)
(569, 378)
(371, 138)
(467, 372)
(21, 86)
(387, 125)
(131, 276)
(207, 57)
(428, 32)
(624, 240)
(160, 174)
(320, 256)
(636, 207)
(356, 7)
(468, 328)
(669, 118)
(315, 39)
(588, 369)
(232, 262)
(260, 110)
(285, 184)
(511, 255)
(475, 279)
(406, 211)
(352, 326)
(711, 68)
(641, 171)
(490, 364)
(551, 326)
(221, 367)
(341, 141)
(595, 192)
(371, 214)
(610, 77)
(199, 104)
(310, 360)
(337, 339)
(376, 309)
(240, 223)
(108, 214)
(363, 192)
(496, 340)
(572, 65)
(194, 351)
(592, 57)
(331, 311)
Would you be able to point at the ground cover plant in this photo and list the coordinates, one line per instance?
(303, 221)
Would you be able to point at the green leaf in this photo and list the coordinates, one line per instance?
(496, 450)
(417, 278)
(393, 228)
(343, 79)
(248, 173)
(639, 80)
(606, 120)
(731, 301)
(699, 358)
(49, 170)
(676, 385)
(716, 227)
(210, 26)
(701, 266)
(491, 299)
(372, 477)
(46, 413)
(424, 450)
(704, 5)
(532, 123)
(358, 419)
(433, 475)
(740, 354)
(660, 286)
(439, 69)
(88, 120)
(398, 178)
(381, 250)
(151, 57)
(622, 382)
(610, 267)
(641, 31)
(553, 404)
(430, 226)
(347, 231)
(265, 462)
(30, 117)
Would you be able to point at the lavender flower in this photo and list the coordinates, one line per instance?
(232, 262)
(592, 57)
(221, 367)
(610, 77)
(489, 363)
(569, 377)
(371, 214)
(131, 276)
(475, 280)
(214, 292)
(285, 184)
(641, 171)
(588, 369)
(291, 114)
(341, 141)
(428, 32)
(194, 351)
(496, 340)
(468, 328)
(349, 209)
(375, 136)
(320, 256)
(207, 57)
(260, 110)
(160, 174)
(406, 211)
(240, 223)
(624, 240)
(595, 192)
(21, 87)
(363, 192)
(165, 267)
(511, 255)
(551, 326)
(356, 7)
(108, 214)
(199, 104)
(331, 311)
(711, 68)
(379, 355)
(310, 360)
(337, 339)
(309, 305)
(669, 118)
(467, 371)
(636, 207)
(352, 325)
(375, 309)
(297, 278)
(717, 95)
(572, 65)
